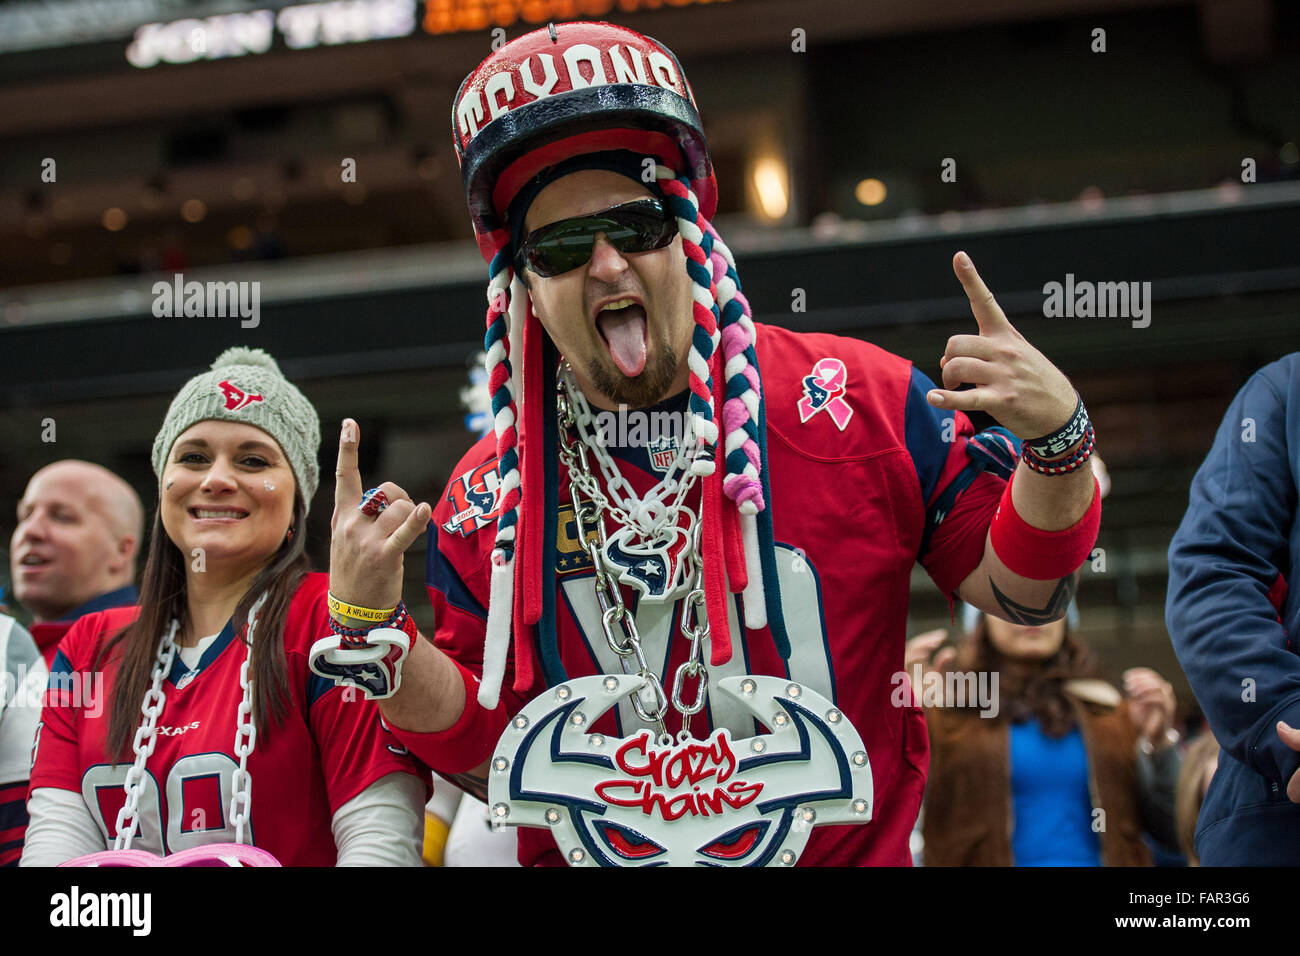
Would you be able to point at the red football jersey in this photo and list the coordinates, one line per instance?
(331, 746)
(866, 479)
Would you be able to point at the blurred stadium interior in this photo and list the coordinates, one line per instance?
(208, 138)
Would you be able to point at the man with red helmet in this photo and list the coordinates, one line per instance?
(777, 527)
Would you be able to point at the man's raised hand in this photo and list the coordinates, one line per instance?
(366, 552)
(1014, 382)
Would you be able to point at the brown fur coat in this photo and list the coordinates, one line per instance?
(968, 815)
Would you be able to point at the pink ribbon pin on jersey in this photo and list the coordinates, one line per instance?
(824, 390)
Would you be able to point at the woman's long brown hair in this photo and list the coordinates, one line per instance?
(1030, 688)
(162, 599)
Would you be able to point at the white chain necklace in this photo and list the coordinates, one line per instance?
(655, 542)
(683, 567)
(146, 737)
(649, 514)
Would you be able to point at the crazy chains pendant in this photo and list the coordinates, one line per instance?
(638, 801)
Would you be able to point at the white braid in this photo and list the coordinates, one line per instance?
(688, 229)
(706, 429)
(519, 308)
(754, 598)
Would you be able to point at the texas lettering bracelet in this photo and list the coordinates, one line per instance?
(1049, 446)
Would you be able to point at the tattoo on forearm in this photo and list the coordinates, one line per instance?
(1031, 616)
(472, 784)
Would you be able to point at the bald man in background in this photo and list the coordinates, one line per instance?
(74, 549)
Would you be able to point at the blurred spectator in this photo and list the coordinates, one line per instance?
(1199, 764)
(22, 678)
(1045, 770)
(438, 814)
(1234, 624)
(74, 548)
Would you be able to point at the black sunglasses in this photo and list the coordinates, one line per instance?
(560, 247)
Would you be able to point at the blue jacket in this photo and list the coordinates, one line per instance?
(1234, 626)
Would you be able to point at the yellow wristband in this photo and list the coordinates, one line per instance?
(352, 623)
(367, 614)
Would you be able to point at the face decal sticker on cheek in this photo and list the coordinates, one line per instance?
(229, 492)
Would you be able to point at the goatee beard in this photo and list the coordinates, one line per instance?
(646, 389)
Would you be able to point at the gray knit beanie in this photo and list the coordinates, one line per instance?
(246, 386)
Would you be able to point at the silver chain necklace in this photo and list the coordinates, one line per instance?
(644, 515)
(638, 798)
(651, 548)
(589, 507)
(146, 737)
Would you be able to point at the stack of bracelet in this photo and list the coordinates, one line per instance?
(341, 615)
(1078, 429)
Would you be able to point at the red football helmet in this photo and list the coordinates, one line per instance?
(568, 90)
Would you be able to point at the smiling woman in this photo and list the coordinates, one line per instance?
(218, 649)
(229, 495)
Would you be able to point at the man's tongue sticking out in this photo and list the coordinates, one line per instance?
(624, 331)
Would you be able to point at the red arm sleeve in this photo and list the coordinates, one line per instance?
(957, 545)
(73, 692)
(459, 605)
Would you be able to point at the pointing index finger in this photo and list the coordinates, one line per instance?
(347, 480)
(988, 314)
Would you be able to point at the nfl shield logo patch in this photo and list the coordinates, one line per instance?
(662, 453)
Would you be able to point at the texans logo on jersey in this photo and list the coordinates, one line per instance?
(817, 396)
(475, 496)
(236, 397)
(824, 390)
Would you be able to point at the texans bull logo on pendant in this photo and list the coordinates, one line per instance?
(656, 568)
(638, 801)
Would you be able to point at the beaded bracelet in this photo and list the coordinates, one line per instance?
(1066, 465)
(400, 620)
